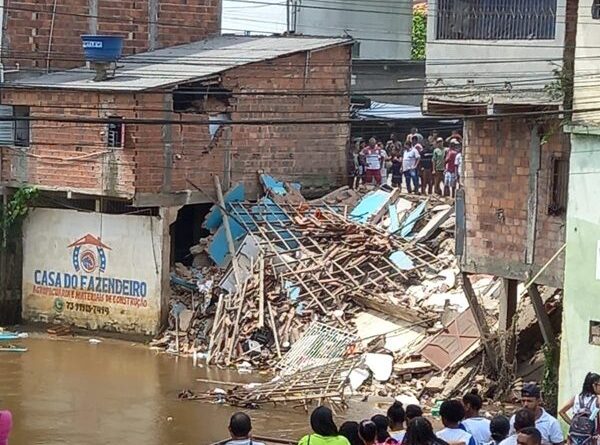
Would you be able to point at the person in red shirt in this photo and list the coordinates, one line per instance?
(450, 173)
(374, 158)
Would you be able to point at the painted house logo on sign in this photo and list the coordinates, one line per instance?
(88, 254)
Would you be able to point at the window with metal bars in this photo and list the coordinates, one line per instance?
(496, 19)
(559, 187)
(116, 134)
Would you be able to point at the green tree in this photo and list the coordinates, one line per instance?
(419, 32)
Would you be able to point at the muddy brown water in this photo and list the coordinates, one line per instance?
(67, 391)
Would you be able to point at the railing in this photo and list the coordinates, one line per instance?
(496, 19)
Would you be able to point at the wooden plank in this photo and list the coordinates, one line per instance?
(532, 197)
(542, 315)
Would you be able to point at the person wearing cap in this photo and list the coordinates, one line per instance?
(240, 428)
(450, 172)
(548, 426)
(438, 165)
(455, 135)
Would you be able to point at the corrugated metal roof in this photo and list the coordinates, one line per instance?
(183, 63)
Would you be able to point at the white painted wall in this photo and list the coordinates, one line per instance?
(133, 255)
(587, 65)
(476, 65)
(383, 29)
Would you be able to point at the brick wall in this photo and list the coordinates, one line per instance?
(496, 182)
(69, 156)
(161, 158)
(311, 154)
(28, 25)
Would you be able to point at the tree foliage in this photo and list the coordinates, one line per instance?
(15, 210)
(419, 32)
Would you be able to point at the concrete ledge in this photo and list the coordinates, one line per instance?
(591, 129)
(512, 269)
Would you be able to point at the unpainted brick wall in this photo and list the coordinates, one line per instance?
(496, 183)
(161, 158)
(28, 25)
(312, 154)
(71, 156)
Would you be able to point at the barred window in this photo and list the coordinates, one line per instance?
(559, 187)
(496, 19)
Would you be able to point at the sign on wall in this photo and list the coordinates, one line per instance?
(94, 270)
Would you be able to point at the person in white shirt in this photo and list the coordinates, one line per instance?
(474, 423)
(397, 416)
(547, 425)
(452, 413)
(499, 429)
(524, 418)
(240, 428)
(588, 399)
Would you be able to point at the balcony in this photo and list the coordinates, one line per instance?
(485, 53)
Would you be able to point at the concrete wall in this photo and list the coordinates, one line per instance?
(497, 193)
(480, 68)
(145, 25)
(582, 268)
(383, 30)
(113, 287)
(587, 72)
(403, 80)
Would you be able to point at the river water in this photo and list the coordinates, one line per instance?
(67, 391)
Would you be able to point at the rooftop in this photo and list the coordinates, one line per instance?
(183, 63)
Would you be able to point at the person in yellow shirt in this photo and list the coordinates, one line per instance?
(325, 431)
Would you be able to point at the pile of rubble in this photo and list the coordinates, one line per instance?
(356, 292)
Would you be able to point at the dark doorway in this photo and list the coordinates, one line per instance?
(186, 231)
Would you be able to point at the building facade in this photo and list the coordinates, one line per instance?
(581, 318)
(146, 146)
(499, 65)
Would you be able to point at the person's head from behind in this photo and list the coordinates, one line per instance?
(591, 384)
(240, 426)
(412, 412)
(367, 430)
(382, 423)
(529, 436)
(396, 415)
(454, 144)
(419, 432)
(372, 142)
(472, 403)
(321, 422)
(414, 130)
(524, 418)
(531, 396)
(455, 133)
(362, 144)
(394, 137)
(499, 428)
(415, 140)
(350, 431)
(452, 413)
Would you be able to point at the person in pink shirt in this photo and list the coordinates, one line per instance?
(5, 426)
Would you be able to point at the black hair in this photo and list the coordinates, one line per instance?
(240, 424)
(524, 418)
(588, 384)
(350, 431)
(382, 423)
(473, 399)
(321, 421)
(532, 432)
(413, 411)
(396, 413)
(420, 432)
(452, 410)
(367, 430)
(499, 428)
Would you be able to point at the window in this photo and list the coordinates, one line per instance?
(559, 187)
(496, 19)
(594, 338)
(356, 50)
(14, 132)
(115, 134)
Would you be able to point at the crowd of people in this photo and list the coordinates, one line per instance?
(463, 423)
(425, 165)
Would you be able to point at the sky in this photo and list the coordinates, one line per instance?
(240, 16)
